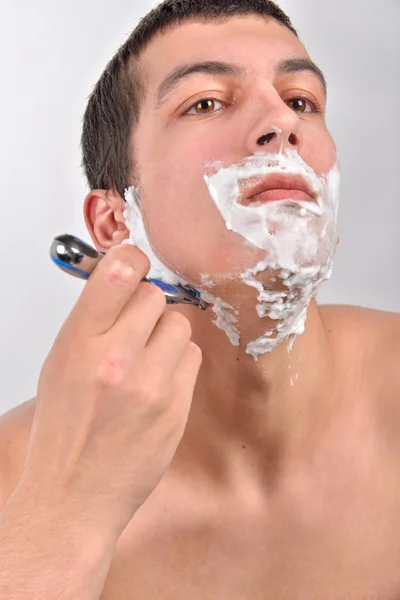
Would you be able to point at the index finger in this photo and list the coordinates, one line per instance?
(107, 291)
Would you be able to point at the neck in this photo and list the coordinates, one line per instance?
(250, 418)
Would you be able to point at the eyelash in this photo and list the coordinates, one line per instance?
(314, 104)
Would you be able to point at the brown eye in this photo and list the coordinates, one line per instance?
(204, 106)
(300, 105)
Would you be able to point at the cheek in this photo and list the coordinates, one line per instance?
(319, 150)
(188, 233)
(188, 147)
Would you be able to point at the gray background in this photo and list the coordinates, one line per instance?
(52, 53)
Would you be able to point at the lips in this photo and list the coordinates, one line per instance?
(275, 187)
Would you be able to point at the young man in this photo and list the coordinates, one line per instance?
(262, 471)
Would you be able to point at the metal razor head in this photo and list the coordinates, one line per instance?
(179, 294)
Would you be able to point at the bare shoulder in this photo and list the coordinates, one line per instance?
(369, 340)
(15, 427)
(376, 330)
(360, 314)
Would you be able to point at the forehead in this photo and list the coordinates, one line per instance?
(249, 40)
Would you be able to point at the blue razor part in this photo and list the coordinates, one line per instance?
(172, 293)
(165, 287)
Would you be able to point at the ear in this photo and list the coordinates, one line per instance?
(103, 213)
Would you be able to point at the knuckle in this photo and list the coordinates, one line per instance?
(153, 293)
(132, 255)
(120, 270)
(179, 323)
(148, 394)
(112, 369)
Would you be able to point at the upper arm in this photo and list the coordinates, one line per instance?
(4, 484)
(6, 478)
(15, 426)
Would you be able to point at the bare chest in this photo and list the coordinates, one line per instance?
(340, 542)
(307, 567)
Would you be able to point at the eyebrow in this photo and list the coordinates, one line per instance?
(183, 72)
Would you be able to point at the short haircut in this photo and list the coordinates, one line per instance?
(114, 104)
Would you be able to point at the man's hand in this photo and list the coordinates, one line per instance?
(113, 397)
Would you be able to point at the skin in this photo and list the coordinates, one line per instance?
(243, 439)
(264, 419)
(261, 499)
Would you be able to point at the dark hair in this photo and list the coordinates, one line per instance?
(113, 106)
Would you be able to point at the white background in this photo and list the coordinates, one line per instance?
(52, 54)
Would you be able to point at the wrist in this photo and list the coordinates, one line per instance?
(51, 523)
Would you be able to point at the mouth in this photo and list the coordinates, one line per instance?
(277, 186)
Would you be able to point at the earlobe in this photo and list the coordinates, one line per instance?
(103, 214)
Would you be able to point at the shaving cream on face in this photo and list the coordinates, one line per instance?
(138, 237)
(298, 239)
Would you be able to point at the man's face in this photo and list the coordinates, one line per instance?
(209, 117)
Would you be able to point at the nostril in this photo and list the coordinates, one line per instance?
(265, 139)
(293, 139)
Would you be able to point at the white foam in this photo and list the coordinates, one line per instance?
(301, 247)
(138, 237)
(299, 238)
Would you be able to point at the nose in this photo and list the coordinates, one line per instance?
(276, 130)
